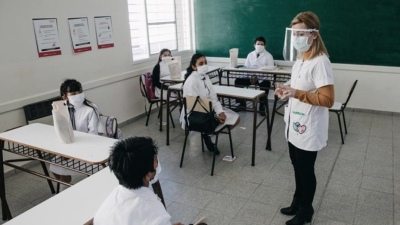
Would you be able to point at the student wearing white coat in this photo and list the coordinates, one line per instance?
(84, 117)
(197, 83)
(310, 94)
(255, 60)
(135, 164)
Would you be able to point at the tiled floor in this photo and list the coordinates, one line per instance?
(358, 182)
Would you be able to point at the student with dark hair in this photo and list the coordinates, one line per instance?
(134, 162)
(160, 70)
(84, 117)
(197, 83)
(255, 60)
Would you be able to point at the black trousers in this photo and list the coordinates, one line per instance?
(306, 182)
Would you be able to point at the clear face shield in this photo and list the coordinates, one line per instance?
(296, 40)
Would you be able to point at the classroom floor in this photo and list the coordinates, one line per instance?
(358, 182)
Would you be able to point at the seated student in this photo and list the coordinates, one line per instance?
(135, 164)
(257, 59)
(197, 83)
(84, 117)
(161, 70)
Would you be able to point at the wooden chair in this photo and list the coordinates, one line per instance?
(339, 107)
(188, 103)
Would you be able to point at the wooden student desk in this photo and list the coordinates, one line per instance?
(212, 72)
(87, 154)
(236, 93)
(279, 74)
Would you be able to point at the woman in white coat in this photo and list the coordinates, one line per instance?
(197, 83)
(310, 94)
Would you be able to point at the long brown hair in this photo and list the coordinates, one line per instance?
(311, 20)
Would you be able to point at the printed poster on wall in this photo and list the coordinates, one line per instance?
(79, 30)
(47, 37)
(104, 32)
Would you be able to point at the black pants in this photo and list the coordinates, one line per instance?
(306, 182)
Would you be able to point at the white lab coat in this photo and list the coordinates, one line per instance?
(307, 125)
(132, 207)
(265, 59)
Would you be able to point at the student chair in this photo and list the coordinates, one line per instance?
(146, 90)
(339, 108)
(35, 111)
(188, 102)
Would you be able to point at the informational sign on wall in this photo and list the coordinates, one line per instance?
(80, 37)
(104, 32)
(47, 37)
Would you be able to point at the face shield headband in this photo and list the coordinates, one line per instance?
(291, 34)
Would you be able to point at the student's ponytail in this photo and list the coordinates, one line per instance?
(193, 61)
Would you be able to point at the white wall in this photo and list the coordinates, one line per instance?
(377, 87)
(109, 76)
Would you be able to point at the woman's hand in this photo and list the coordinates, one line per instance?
(221, 118)
(284, 91)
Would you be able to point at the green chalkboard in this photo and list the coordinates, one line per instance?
(354, 31)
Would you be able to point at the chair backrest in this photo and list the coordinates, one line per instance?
(146, 86)
(350, 93)
(205, 104)
(199, 115)
(39, 110)
(108, 127)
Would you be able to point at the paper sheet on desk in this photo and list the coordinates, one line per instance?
(231, 117)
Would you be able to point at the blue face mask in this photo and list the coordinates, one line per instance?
(301, 44)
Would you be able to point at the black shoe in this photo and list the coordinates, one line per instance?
(292, 209)
(210, 146)
(302, 217)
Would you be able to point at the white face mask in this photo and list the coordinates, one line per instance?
(76, 100)
(158, 171)
(165, 58)
(202, 70)
(259, 48)
(301, 44)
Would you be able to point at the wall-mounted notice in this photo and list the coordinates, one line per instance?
(104, 32)
(47, 38)
(79, 30)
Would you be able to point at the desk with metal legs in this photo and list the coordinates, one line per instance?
(87, 154)
(277, 75)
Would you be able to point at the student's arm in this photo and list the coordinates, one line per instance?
(156, 76)
(325, 96)
(93, 123)
(247, 62)
(270, 59)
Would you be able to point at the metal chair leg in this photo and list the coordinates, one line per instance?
(202, 142)
(340, 126)
(344, 122)
(184, 147)
(148, 114)
(230, 141)
(214, 154)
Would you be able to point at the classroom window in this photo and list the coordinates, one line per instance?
(158, 24)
